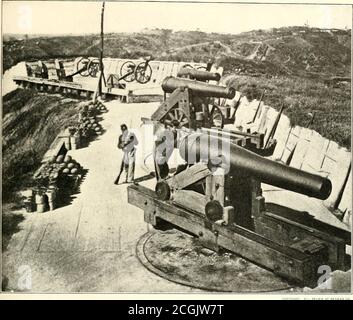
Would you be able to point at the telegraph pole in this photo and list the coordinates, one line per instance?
(101, 76)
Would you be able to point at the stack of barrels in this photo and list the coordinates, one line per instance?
(59, 173)
(40, 199)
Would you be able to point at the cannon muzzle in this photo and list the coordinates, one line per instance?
(198, 146)
(200, 75)
(201, 88)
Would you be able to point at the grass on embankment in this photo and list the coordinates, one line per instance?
(31, 121)
(300, 96)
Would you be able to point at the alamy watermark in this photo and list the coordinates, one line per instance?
(24, 281)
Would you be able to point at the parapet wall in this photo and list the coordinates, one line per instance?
(304, 149)
(160, 70)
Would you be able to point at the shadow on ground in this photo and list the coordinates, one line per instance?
(10, 226)
(69, 188)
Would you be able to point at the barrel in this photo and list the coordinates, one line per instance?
(29, 206)
(200, 75)
(51, 194)
(75, 141)
(202, 146)
(41, 207)
(170, 84)
(39, 199)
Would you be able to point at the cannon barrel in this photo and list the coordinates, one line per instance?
(170, 84)
(202, 146)
(200, 75)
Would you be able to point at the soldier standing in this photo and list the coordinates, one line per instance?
(127, 143)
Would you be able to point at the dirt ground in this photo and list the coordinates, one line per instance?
(88, 246)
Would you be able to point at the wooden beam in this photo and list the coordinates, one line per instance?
(285, 261)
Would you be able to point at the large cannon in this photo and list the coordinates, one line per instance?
(216, 195)
(170, 84)
(199, 75)
(195, 104)
(198, 146)
(192, 103)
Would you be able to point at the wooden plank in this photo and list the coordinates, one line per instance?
(291, 143)
(164, 72)
(337, 163)
(285, 261)
(160, 72)
(118, 66)
(301, 148)
(346, 200)
(253, 105)
(94, 231)
(155, 68)
(54, 149)
(241, 113)
(218, 185)
(189, 176)
(175, 69)
(347, 218)
(290, 232)
(169, 70)
(190, 199)
(281, 135)
(272, 115)
(262, 119)
(34, 237)
(315, 153)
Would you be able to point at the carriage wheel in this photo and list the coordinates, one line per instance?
(128, 67)
(162, 190)
(143, 73)
(177, 118)
(93, 68)
(83, 64)
(216, 117)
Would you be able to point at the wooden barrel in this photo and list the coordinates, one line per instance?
(52, 205)
(41, 207)
(75, 141)
(29, 206)
(39, 199)
(29, 200)
(51, 194)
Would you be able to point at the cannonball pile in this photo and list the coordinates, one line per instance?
(59, 165)
(66, 164)
(95, 108)
(100, 107)
(90, 126)
(88, 122)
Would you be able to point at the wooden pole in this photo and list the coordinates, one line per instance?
(101, 52)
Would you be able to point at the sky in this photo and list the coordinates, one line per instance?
(76, 17)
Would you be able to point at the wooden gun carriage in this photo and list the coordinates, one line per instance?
(216, 194)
